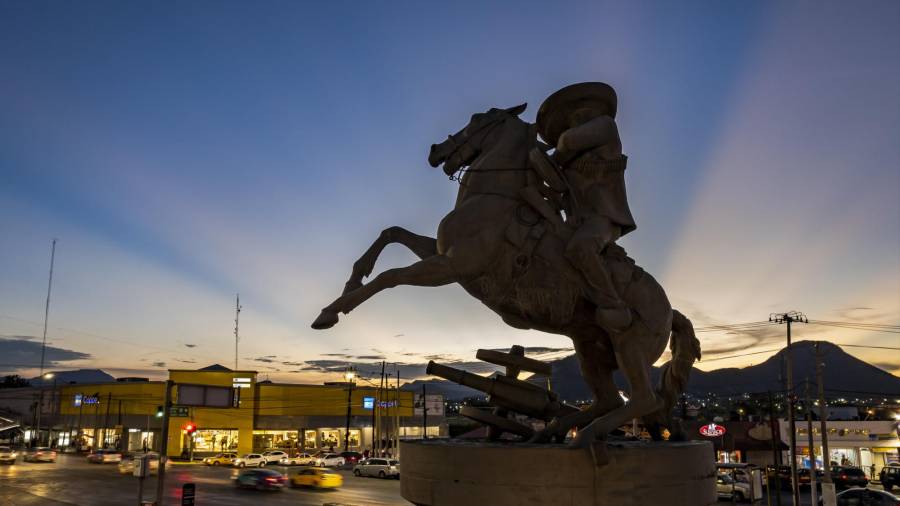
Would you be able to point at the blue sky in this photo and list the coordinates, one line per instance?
(182, 152)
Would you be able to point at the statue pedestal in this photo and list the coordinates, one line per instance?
(454, 472)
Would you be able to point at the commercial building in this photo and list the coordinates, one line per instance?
(233, 411)
(869, 445)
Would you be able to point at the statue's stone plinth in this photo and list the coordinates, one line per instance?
(452, 472)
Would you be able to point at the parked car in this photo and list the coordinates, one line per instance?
(42, 454)
(846, 477)
(8, 455)
(105, 457)
(303, 459)
(865, 497)
(274, 456)
(318, 478)
(329, 460)
(220, 459)
(352, 458)
(250, 460)
(890, 476)
(260, 479)
(728, 488)
(804, 479)
(126, 465)
(382, 468)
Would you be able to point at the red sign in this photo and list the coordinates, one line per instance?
(712, 430)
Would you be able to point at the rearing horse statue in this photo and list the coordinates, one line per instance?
(511, 257)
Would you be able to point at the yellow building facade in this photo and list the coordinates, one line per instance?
(232, 411)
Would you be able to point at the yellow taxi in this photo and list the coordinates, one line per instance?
(221, 459)
(318, 478)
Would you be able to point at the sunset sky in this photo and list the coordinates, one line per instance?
(182, 152)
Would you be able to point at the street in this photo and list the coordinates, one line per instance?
(71, 480)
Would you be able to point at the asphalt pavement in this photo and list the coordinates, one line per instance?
(73, 481)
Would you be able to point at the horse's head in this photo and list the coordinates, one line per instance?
(463, 147)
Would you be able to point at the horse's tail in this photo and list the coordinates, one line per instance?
(674, 374)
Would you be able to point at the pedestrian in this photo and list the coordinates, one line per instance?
(366, 454)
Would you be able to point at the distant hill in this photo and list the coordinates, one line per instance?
(77, 376)
(842, 372)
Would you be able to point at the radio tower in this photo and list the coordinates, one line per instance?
(237, 316)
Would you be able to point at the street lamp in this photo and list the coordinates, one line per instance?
(349, 375)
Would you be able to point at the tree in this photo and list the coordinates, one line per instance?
(14, 381)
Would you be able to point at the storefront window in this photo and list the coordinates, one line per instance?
(330, 438)
(354, 438)
(732, 457)
(843, 457)
(309, 439)
(216, 440)
(274, 440)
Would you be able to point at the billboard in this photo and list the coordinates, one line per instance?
(434, 403)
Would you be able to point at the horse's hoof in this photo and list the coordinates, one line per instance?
(326, 320)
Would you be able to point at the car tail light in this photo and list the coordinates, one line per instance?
(843, 476)
(272, 480)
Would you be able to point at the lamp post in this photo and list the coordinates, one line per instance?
(350, 375)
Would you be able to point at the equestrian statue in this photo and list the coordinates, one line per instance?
(533, 237)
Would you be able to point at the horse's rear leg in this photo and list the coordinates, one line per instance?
(422, 246)
(435, 270)
(629, 347)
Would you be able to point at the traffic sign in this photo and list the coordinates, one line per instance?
(178, 411)
(188, 491)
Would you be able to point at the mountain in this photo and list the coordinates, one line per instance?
(842, 372)
(77, 376)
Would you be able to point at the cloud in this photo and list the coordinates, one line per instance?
(158, 364)
(265, 360)
(25, 351)
(191, 345)
(370, 357)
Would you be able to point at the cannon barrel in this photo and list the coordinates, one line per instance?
(509, 393)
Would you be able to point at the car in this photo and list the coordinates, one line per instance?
(274, 456)
(220, 459)
(352, 458)
(382, 468)
(728, 488)
(250, 460)
(297, 460)
(329, 460)
(42, 454)
(846, 477)
(260, 479)
(865, 497)
(317, 478)
(8, 455)
(126, 465)
(105, 457)
(890, 476)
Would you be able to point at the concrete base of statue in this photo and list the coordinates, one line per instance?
(456, 472)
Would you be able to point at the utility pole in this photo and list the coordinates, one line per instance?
(237, 316)
(40, 406)
(776, 439)
(812, 448)
(164, 446)
(397, 418)
(789, 318)
(828, 498)
(106, 420)
(424, 414)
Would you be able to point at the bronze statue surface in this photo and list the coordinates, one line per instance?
(532, 236)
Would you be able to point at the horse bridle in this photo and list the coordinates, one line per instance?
(467, 139)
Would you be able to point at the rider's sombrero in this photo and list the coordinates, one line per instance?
(553, 116)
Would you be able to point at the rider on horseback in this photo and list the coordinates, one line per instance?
(578, 121)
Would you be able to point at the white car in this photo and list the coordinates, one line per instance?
(328, 460)
(8, 455)
(250, 460)
(303, 459)
(727, 488)
(382, 468)
(274, 456)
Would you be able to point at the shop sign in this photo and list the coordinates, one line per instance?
(178, 411)
(712, 430)
(368, 402)
(86, 399)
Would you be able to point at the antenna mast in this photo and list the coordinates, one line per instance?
(237, 316)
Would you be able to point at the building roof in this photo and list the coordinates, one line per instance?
(215, 368)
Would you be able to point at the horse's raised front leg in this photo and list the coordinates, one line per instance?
(422, 246)
(435, 270)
